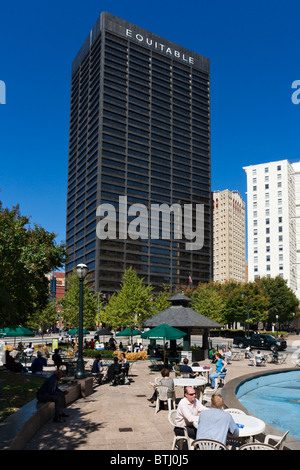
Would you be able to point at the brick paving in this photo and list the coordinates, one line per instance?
(121, 418)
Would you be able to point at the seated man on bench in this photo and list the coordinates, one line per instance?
(49, 391)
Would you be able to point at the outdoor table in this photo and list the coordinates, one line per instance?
(202, 370)
(196, 383)
(237, 355)
(252, 425)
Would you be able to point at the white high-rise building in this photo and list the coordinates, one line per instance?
(273, 205)
(229, 236)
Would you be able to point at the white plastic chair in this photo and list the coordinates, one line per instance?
(185, 437)
(256, 446)
(280, 440)
(164, 393)
(208, 392)
(208, 444)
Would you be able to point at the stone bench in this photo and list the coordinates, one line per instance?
(20, 427)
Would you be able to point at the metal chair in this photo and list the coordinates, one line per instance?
(280, 440)
(208, 444)
(164, 393)
(179, 439)
(176, 369)
(282, 358)
(256, 446)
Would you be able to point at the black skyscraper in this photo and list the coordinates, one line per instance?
(139, 128)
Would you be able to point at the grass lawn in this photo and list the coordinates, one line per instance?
(18, 389)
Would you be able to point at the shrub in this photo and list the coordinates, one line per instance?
(133, 357)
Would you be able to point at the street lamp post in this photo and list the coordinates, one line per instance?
(277, 324)
(82, 271)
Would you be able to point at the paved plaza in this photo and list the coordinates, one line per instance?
(121, 417)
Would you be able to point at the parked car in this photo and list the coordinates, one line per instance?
(261, 341)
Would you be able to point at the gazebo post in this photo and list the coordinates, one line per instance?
(205, 343)
(187, 340)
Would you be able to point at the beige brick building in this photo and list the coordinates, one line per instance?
(229, 237)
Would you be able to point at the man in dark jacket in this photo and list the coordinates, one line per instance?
(38, 363)
(50, 391)
(114, 373)
(56, 358)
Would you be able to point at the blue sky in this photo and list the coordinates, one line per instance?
(254, 52)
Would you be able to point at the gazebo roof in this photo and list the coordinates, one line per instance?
(180, 316)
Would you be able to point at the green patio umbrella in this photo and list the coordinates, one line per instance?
(163, 332)
(128, 332)
(14, 332)
(75, 332)
(17, 331)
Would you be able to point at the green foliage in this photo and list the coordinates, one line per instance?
(282, 300)
(43, 319)
(228, 302)
(70, 303)
(27, 254)
(208, 301)
(160, 300)
(131, 305)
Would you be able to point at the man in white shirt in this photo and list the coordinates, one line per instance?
(188, 411)
(258, 358)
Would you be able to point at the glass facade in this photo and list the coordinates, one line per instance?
(140, 128)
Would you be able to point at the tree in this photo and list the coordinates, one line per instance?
(208, 301)
(131, 305)
(160, 300)
(43, 319)
(282, 300)
(27, 254)
(70, 302)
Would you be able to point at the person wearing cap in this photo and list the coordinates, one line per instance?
(38, 363)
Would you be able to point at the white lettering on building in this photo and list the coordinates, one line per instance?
(161, 47)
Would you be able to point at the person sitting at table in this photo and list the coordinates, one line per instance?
(165, 380)
(187, 414)
(251, 357)
(228, 354)
(258, 358)
(56, 358)
(185, 369)
(29, 350)
(38, 363)
(214, 358)
(275, 355)
(115, 374)
(220, 370)
(97, 368)
(12, 364)
(214, 423)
